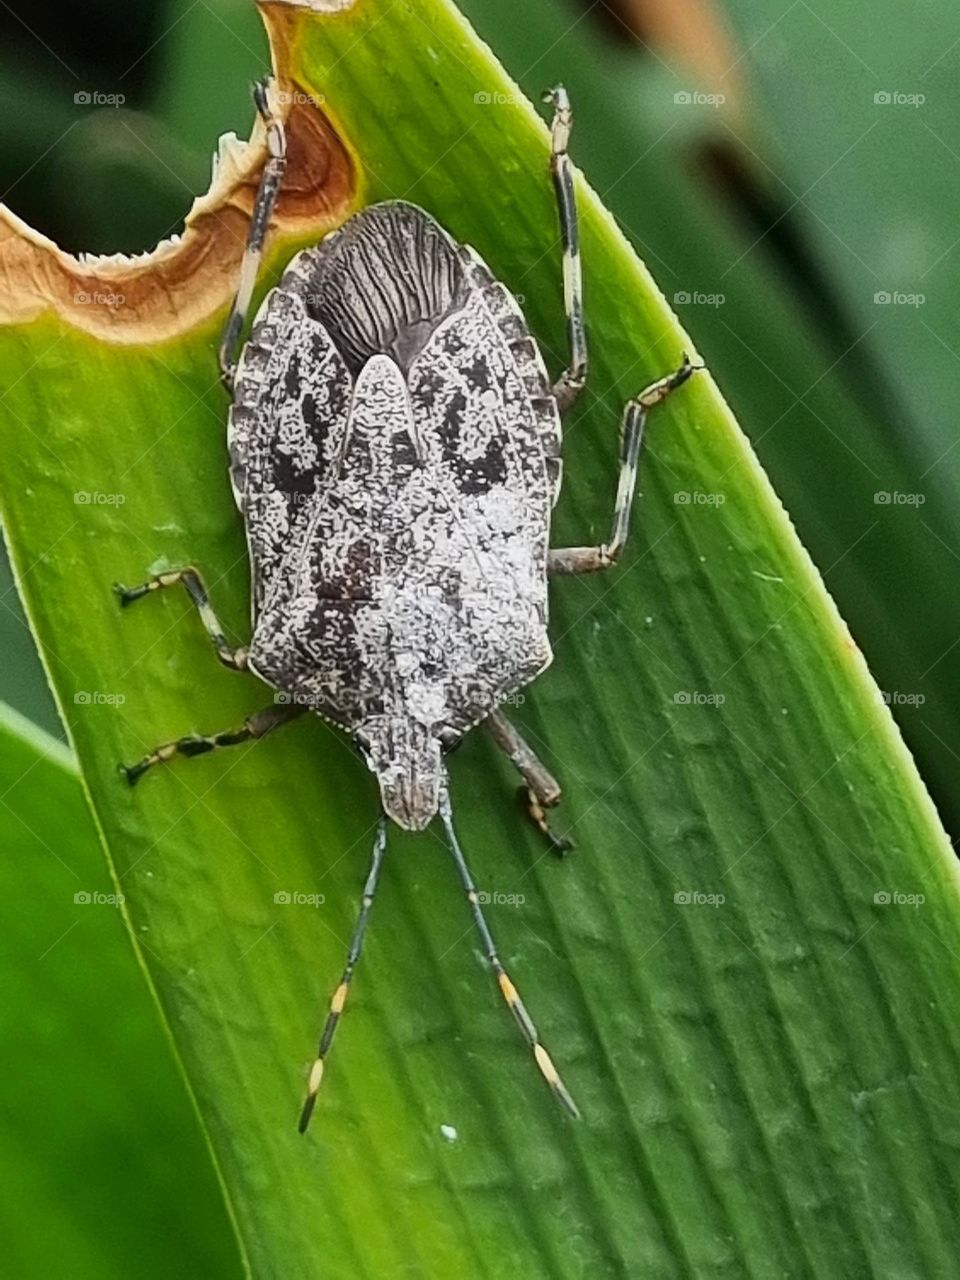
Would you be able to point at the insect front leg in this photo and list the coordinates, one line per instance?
(196, 744)
(270, 181)
(570, 383)
(590, 559)
(542, 789)
(235, 659)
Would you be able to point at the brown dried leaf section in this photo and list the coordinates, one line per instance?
(182, 282)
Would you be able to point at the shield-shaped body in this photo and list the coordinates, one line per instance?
(395, 455)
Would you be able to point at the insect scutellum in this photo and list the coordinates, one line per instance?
(395, 452)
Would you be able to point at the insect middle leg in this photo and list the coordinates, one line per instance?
(266, 198)
(255, 726)
(591, 559)
(543, 790)
(235, 659)
(570, 383)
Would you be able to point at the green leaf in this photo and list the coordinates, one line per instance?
(763, 1047)
(837, 414)
(862, 129)
(97, 1138)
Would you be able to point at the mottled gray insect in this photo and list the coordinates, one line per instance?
(395, 452)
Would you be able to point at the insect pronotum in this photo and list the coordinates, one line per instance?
(395, 452)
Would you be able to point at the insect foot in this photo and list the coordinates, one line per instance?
(537, 807)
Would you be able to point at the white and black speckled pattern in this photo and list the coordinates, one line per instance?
(395, 453)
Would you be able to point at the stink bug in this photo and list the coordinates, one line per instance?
(395, 452)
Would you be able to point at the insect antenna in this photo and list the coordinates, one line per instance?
(339, 996)
(507, 989)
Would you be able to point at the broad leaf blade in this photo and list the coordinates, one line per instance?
(97, 1139)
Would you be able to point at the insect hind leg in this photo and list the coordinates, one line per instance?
(255, 726)
(507, 989)
(338, 1000)
(571, 382)
(542, 791)
(234, 658)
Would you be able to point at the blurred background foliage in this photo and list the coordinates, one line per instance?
(790, 172)
(108, 1183)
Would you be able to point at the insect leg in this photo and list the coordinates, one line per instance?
(590, 559)
(236, 659)
(542, 789)
(196, 744)
(507, 989)
(571, 381)
(266, 197)
(340, 994)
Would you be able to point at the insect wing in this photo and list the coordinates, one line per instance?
(287, 424)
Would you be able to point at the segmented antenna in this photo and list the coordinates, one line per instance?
(339, 997)
(507, 989)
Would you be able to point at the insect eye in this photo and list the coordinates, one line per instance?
(450, 739)
(362, 743)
